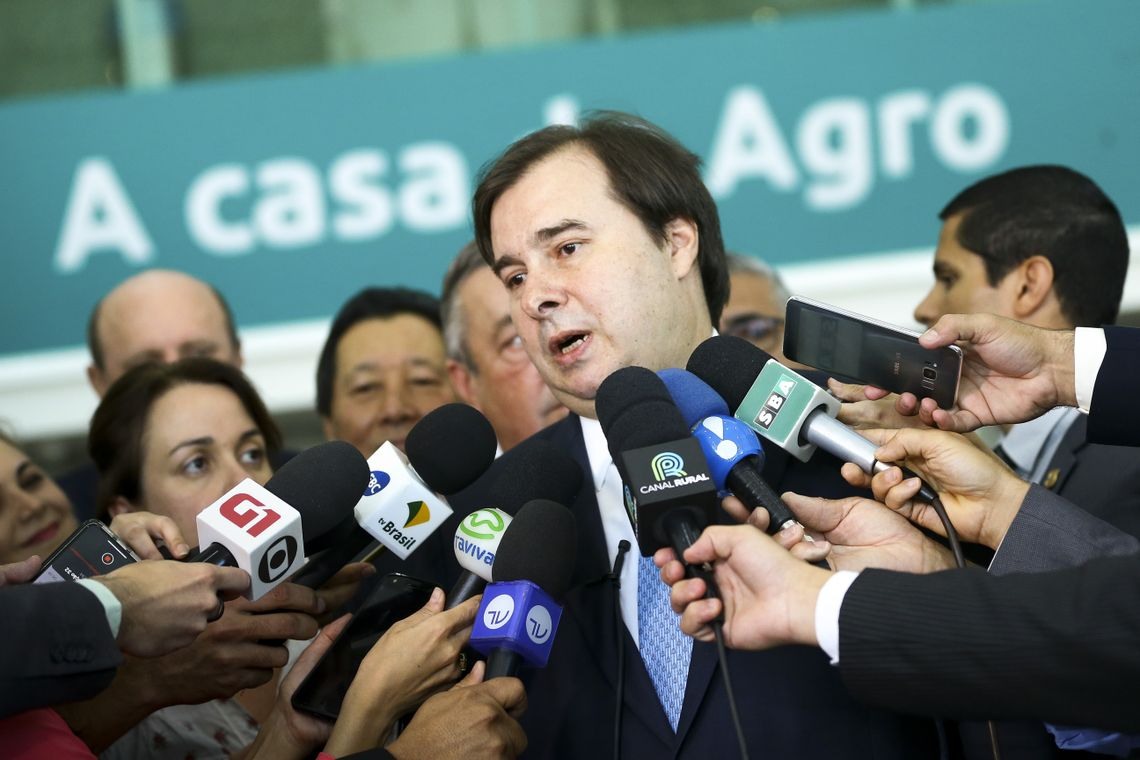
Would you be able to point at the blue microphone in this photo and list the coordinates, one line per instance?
(733, 451)
(518, 617)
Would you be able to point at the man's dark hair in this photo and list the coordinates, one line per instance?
(465, 264)
(95, 343)
(370, 303)
(115, 440)
(650, 173)
(1055, 212)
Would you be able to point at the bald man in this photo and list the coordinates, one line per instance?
(156, 316)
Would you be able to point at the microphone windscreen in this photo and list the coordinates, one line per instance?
(535, 469)
(694, 398)
(539, 546)
(450, 447)
(323, 483)
(729, 364)
(635, 410)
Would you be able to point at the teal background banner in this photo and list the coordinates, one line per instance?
(822, 139)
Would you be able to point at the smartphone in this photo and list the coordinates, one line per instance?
(394, 597)
(91, 550)
(858, 349)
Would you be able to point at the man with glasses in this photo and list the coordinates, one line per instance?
(756, 303)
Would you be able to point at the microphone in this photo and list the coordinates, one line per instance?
(783, 406)
(518, 617)
(536, 469)
(264, 529)
(669, 493)
(448, 449)
(733, 452)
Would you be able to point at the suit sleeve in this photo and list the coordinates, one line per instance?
(1061, 646)
(1050, 532)
(55, 647)
(1112, 418)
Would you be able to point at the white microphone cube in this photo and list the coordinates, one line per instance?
(398, 509)
(477, 540)
(261, 531)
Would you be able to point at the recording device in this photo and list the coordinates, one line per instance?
(781, 405)
(392, 599)
(532, 470)
(669, 492)
(90, 551)
(731, 448)
(263, 529)
(518, 617)
(448, 449)
(864, 350)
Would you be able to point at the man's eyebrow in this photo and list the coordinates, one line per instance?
(500, 264)
(546, 233)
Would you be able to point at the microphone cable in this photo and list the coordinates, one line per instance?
(615, 578)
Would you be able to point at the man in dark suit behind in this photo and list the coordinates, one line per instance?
(609, 245)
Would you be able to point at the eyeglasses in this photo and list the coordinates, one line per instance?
(762, 330)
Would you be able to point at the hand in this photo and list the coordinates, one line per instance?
(165, 605)
(20, 572)
(793, 538)
(475, 719)
(865, 533)
(288, 733)
(1012, 372)
(981, 495)
(341, 587)
(865, 406)
(414, 658)
(768, 595)
(140, 529)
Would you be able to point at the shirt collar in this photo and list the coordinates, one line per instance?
(1022, 444)
(597, 450)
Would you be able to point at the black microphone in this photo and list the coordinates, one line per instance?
(732, 450)
(518, 618)
(447, 450)
(669, 492)
(532, 470)
(783, 406)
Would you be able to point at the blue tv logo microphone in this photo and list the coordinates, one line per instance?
(516, 620)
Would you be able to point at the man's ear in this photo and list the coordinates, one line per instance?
(1034, 287)
(683, 240)
(463, 382)
(97, 380)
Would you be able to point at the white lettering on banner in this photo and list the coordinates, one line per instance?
(99, 216)
(289, 207)
(968, 125)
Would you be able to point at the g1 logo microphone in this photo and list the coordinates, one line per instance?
(398, 509)
(260, 531)
(477, 540)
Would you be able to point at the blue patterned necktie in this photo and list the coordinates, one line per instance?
(664, 648)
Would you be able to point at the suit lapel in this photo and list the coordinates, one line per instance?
(1064, 461)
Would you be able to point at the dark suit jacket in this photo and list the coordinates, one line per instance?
(1113, 416)
(55, 646)
(1061, 646)
(791, 700)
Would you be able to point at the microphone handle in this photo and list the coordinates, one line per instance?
(215, 554)
(468, 585)
(683, 531)
(329, 562)
(503, 663)
(746, 483)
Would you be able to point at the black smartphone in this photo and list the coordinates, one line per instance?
(394, 597)
(91, 550)
(859, 349)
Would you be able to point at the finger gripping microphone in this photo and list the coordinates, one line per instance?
(518, 618)
(264, 529)
(783, 406)
(669, 493)
(733, 452)
(536, 469)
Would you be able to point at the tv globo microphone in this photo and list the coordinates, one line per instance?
(732, 449)
(669, 491)
(264, 529)
(532, 470)
(518, 617)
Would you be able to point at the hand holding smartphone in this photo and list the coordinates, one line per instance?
(90, 551)
(862, 350)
